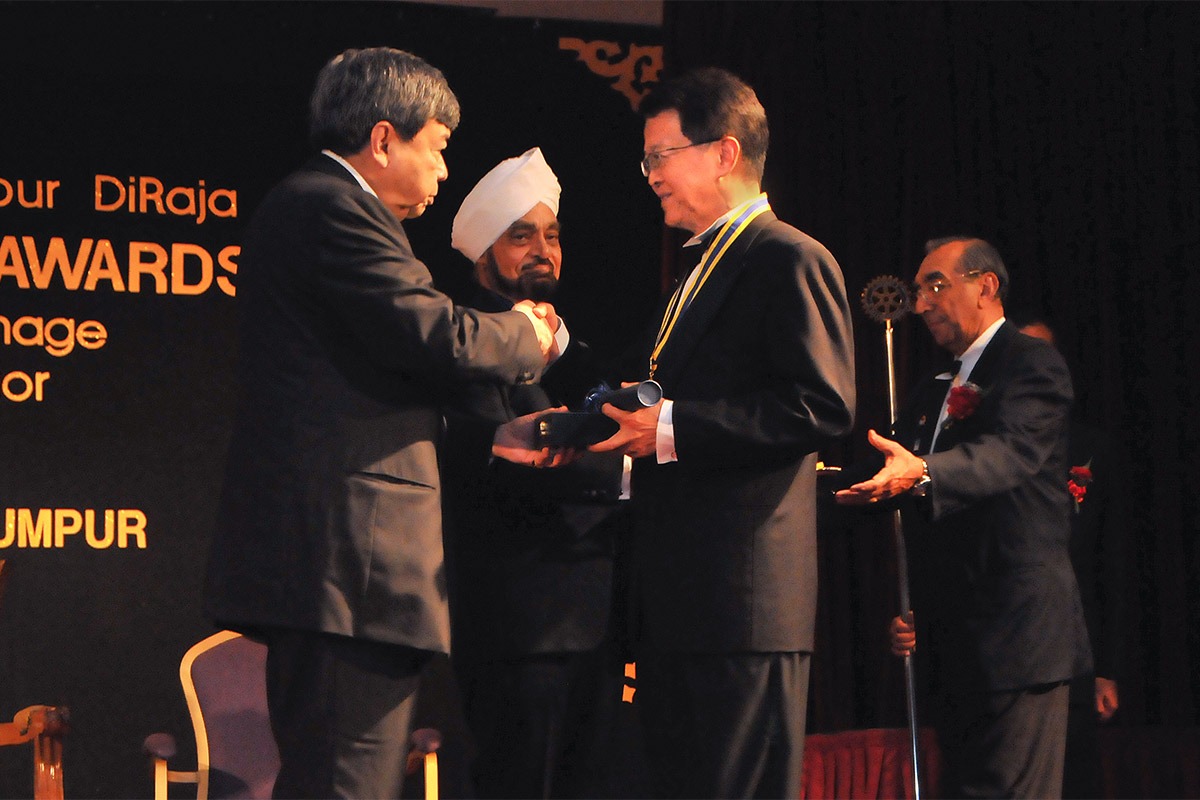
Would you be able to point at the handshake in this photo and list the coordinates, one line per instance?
(545, 324)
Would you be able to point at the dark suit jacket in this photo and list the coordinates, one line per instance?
(1098, 527)
(330, 518)
(761, 372)
(529, 552)
(996, 602)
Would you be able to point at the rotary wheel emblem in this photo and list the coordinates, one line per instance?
(886, 298)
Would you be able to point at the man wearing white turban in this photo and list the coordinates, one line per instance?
(529, 553)
(513, 209)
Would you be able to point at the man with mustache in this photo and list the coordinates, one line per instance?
(979, 458)
(529, 552)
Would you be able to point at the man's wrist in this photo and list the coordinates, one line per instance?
(921, 487)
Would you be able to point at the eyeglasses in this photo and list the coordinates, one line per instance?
(652, 161)
(931, 290)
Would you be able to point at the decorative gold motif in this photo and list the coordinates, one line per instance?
(630, 68)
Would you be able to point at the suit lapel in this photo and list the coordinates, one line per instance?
(915, 428)
(322, 163)
(982, 375)
(695, 321)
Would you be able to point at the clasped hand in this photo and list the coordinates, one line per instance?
(903, 634)
(545, 324)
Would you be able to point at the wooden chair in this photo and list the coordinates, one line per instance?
(224, 682)
(423, 757)
(45, 727)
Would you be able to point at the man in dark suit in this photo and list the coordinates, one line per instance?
(980, 453)
(328, 541)
(1098, 527)
(529, 553)
(755, 357)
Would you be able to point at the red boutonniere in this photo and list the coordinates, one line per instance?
(1077, 484)
(963, 401)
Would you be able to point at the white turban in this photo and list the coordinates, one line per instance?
(503, 196)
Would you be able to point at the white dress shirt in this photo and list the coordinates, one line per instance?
(966, 363)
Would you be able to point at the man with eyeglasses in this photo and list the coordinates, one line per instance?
(978, 461)
(754, 353)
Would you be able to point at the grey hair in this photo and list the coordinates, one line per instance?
(977, 256)
(360, 88)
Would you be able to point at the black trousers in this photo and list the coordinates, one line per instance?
(729, 725)
(340, 710)
(1003, 744)
(1081, 770)
(551, 725)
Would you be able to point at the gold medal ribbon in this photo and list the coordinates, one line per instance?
(720, 244)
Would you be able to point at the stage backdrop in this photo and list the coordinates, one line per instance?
(136, 139)
(135, 142)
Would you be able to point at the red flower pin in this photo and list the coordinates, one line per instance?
(963, 401)
(1078, 482)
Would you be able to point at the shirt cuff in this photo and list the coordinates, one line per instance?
(664, 436)
(562, 338)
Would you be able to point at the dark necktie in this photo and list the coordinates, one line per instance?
(927, 424)
(954, 368)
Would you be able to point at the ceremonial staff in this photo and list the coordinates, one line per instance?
(886, 299)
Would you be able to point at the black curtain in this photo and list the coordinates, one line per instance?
(1065, 134)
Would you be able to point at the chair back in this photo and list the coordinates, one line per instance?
(45, 727)
(224, 681)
